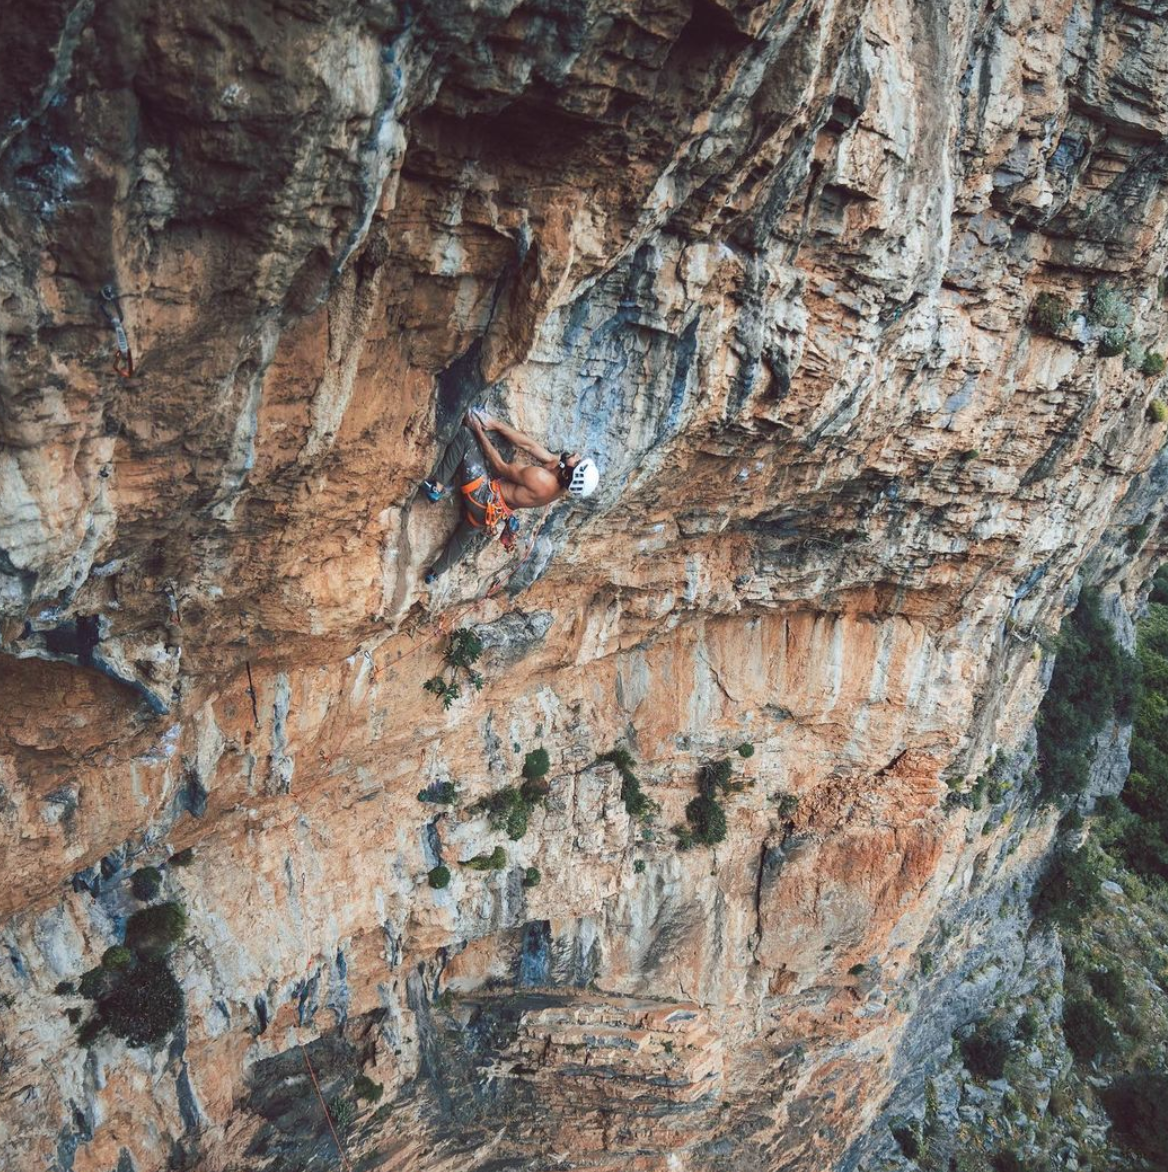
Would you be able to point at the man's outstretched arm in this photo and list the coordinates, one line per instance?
(520, 439)
(496, 463)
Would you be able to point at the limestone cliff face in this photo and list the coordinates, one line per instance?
(773, 264)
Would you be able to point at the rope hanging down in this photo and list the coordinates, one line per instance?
(324, 1107)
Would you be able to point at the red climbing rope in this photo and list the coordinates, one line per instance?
(324, 1106)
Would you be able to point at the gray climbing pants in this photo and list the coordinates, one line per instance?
(462, 462)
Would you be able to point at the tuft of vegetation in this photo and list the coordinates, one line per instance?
(1158, 411)
(90, 1032)
(1107, 306)
(1138, 825)
(145, 1006)
(146, 883)
(536, 764)
(64, 988)
(907, 1134)
(1087, 1030)
(857, 970)
(705, 815)
(73, 1014)
(155, 931)
(463, 650)
(440, 793)
(1138, 1107)
(343, 1112)
(1069, 890)
(1112, 343)
(95, 983)
(506, 809)
(707, 820)
(183, 858)
(639, 867)
(117, 957)
(746, 749)
(985, 1051)
(438, 877)
(495, 861)
(1048, 314)
(1153, 364)
(531, 877)
(1093, 681)
(366, 1089)
(928, 964)
(638, 804)
(969, 455)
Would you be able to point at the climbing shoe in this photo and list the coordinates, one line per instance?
(432, 490)
(430, 578)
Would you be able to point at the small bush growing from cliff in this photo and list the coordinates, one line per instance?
(439, 877)
(117, 957)
(1028, 1026)
(1086, 1028)
(95, 983)
(183, 858)
(1107, 306)
(1108, 984)
(155, 931)
(1153, 364)
(1007, 1161)
(73, 1014)
(90, 1032)
(1158, 411)
(531, 877)
(463, 650)
(146, 1005)
(495, 861)
(506, 809)
(1049, 312)
(707, 820)
(1093, 681)
(1138, 1107)
(64, 988)
(638, 804)
(1069, 890)
(907, 1134)
(343, 1112)
(746, 749)
(365, 1088)
(1112, 343)
(440, 793)
(639, 867)
(146, 883)
(536, 764)
(985, 1051)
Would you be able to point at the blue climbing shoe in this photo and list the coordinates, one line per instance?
(432, 491)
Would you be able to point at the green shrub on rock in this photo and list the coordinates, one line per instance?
(145, 1006)
(365, 1088)
(985, 1051)
(536, 764)
(117, 957)
(531, 877)
(707, 819)
(439, 877)
(746, 749)
(1153, 364)
(495, 861)
(1048, 314)
(154, 931)
(146, 883)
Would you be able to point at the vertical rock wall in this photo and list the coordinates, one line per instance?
(774, 267)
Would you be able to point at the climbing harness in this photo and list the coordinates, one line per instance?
(495, 510)
(111, 306)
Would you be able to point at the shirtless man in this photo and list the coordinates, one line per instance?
(489, 497)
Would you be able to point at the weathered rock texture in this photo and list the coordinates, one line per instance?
(772, 265)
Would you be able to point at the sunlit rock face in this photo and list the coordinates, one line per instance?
(773, 266)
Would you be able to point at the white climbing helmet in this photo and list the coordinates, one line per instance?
(585, 478)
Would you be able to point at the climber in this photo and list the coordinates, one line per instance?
(490, 498)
